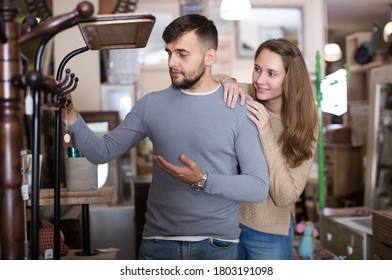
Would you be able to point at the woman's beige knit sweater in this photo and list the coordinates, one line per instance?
(286, 185)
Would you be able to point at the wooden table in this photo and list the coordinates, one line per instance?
(102, 195)
(83, 198)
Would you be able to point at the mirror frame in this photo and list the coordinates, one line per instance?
(379, 76)
(270, 22)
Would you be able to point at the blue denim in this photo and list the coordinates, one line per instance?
(208, 249)
(257, 245)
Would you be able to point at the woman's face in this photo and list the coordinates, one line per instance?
(268, 76)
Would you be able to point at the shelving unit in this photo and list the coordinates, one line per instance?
(364, 92)
(83, 198)
(377, 129)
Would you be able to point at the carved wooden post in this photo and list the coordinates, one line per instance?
(11, 203)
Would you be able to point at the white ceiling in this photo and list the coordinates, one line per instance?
(348, 16)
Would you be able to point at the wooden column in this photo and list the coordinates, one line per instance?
(11, 203)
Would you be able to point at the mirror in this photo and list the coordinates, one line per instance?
(378, 179)
(100, 122)
(268, 23)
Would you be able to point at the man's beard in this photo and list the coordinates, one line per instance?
(190, 80)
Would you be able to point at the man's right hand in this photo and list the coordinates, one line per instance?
(68, 114)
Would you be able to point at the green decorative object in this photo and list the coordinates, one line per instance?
(320, 142)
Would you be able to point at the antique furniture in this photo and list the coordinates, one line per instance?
(11, 82)
(83, 198)
(348, 237)
(344, 174)
(382, 234)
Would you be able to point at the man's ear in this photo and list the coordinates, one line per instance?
(210, 57)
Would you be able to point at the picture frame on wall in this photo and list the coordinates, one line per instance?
(191, 7)
(118, 97)
(268, 22)
(154, 54)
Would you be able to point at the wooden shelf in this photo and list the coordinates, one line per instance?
(360, 68)
(102, 195)
(84, 198)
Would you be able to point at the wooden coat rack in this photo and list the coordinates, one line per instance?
(11, 202)
(12, 228)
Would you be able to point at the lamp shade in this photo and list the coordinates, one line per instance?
(387, 31)
(117, 31)
(235, 9)
(332, 52)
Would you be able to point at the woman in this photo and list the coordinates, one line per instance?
(285, 114)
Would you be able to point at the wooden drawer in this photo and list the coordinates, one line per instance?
(382, 234)
(343, 241)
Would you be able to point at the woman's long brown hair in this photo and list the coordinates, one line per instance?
(299, 114)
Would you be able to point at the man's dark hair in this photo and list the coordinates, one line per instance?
(204, 28)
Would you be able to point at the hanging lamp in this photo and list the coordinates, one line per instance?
(332, 52)
(388, 28)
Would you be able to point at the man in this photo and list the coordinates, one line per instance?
(188, 123)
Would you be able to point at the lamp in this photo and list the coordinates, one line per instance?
(235, 9)
(117, 31)
(332, 52)
(388, 28)
(387, 31)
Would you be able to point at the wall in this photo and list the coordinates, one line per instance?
(242, 68)
(86, 65)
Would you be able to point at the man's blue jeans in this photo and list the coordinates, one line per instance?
(257, 245)
(208, 249)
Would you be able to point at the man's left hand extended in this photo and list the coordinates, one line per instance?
(189, 173)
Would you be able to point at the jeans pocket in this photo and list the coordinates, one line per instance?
(221, 243)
